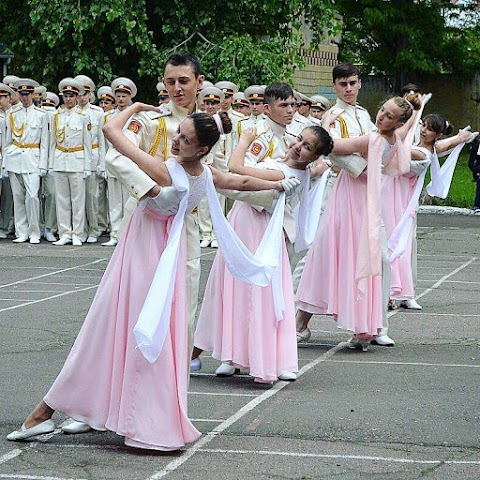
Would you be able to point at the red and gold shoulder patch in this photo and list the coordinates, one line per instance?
(89, 126)
(134, 126)
(256, 148)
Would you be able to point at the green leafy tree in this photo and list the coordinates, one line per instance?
(245, 41)
(400, 37)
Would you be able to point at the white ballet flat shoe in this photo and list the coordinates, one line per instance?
(195, 364)
(226, 369)
(383, 340)
(204, 243)
(92, 239)
(287, 376)
(356, 343)
(411, 304)
(76, 427)
(304, 335)
(214, 244)
(48, 426)
(34, 240)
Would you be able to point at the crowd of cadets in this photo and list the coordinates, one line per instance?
(54, 182)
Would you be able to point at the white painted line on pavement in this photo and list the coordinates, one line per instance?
(214, 420)
(446, 277)
(26, 304)
(10, 455)
(225, 394)
(343, 457)
(36, 477)
(436, 285)
(414, 364)
(207, 438)
(56, 272)
(436, 314)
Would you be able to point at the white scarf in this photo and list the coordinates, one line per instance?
(264, 266)
(442, 175)
(309, 210)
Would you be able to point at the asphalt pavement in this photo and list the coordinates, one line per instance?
(407, 412)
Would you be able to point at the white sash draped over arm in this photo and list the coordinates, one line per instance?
(260, 268)
(309, 210)
(153, 322)
(442, 175)
(399, 238)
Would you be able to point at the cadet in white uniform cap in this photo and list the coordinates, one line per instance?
(48, 206)
(106, 101)
(6, 201)
(71, 163)
(205, 84)
(162, 93)
(95, 116)
(118, 194)
(14, 97)
(255, 95)
(241, 104)
(25, 158)
(319, 106)
(229, 89)
(39, 94)
(106, 98)
(211, 97)
(5, 93)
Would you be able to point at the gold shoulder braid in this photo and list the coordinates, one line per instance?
(17, 132)
(343, 127)
(160, 134)
(59, 134)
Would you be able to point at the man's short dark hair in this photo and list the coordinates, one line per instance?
(409, 87)
(345, 70)
(182, 58)
(277, 90)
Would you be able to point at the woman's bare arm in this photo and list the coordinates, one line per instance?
(113, 130)
(228, 181)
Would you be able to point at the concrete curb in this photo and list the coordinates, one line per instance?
(445, 210)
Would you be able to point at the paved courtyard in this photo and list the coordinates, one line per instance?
(408, 412)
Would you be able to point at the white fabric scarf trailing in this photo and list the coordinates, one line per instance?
(260, 268)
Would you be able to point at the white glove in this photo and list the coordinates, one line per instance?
(86, 174)
(50, 171)
(426, 98)
(289, 186)
(99, 172)
(42, 172)
(469, 136)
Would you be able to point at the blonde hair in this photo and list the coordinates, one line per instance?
(408, 104)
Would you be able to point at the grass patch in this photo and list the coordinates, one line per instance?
(462, 190)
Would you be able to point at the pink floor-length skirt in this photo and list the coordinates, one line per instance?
(328, 284)
(237, 321)
(106, 382)
(396, 194)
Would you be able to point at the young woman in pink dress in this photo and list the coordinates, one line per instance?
(343, 271)
(238, 321)
(107, 382)
(397, 194)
